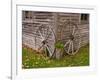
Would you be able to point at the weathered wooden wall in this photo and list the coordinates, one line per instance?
(31, 24)
(84, 32)
(56, 21)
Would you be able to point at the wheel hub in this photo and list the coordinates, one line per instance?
(44, 42)
(72, 37)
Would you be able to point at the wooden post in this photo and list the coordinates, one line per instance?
(79, 18)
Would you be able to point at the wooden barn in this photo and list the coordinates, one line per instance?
(45, 29)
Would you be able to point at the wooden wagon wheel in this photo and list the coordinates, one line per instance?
(45, 39)
(73, 41)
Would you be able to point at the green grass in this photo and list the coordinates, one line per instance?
(32, 59)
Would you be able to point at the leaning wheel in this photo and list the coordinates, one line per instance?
(45, 39)
(73, 40)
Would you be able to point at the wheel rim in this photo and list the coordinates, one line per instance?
(45, 39)
(73, 41)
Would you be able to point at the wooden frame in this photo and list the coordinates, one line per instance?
(18, 73)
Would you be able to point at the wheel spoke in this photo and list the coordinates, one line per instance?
(44, 48)
(41, 35)
(47, 33)
(69, 47)
(50, 32)
(67, 43)
(72, 47)
(73, 31)
(50, 52)
(47, 36)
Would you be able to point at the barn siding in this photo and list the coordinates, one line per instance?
(56, 21)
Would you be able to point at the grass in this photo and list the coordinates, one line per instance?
(33, 59)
